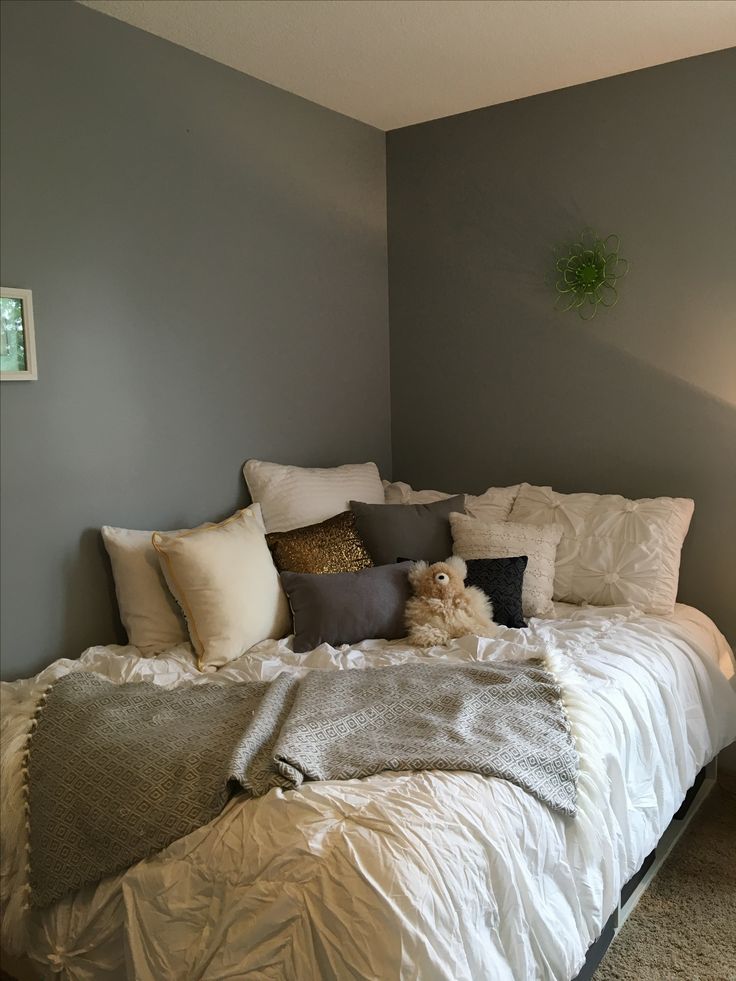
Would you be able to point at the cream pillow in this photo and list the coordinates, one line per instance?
(151, 618)
(492, 505)
(224, 579)
(475, 539)
(291, 497)
(613, 551)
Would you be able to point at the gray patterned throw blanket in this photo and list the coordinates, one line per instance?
(118, 772)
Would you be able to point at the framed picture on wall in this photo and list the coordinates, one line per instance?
(17, 341)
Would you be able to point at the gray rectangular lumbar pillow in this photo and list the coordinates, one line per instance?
(422, 530)
(347, 607)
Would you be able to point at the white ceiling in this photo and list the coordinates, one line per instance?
(391, 63)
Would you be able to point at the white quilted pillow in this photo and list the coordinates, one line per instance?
(613, 551)
(492, 505)
(474, 538)
(292, 497)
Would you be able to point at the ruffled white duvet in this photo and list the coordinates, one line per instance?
(408, 875)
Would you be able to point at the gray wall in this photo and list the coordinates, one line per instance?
(490, 386)
(207, 259)
(207, 256)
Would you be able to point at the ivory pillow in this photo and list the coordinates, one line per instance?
(474, 539)
(151, 618)
(224, 579)
(613, 551)
(291, 497)
(493, 504)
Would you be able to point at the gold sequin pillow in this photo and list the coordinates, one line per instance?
(331, 546)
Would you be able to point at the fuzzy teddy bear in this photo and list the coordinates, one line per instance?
(443, 607)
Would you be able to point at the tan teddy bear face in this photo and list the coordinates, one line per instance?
(442, 580)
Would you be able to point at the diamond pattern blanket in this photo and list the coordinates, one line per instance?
(118, 772)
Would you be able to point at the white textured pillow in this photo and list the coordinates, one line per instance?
(292, 497)
(224, 578)
(492, 505)
(613, 551)
(149, 612)
(475, 539)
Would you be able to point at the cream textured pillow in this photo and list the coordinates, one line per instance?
(224, 578)
(492, 505)
(151, 618)
(613, 551)
(475, 539)
(291, 497)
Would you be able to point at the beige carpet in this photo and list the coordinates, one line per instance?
(684, 928)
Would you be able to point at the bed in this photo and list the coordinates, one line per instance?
(427, 875)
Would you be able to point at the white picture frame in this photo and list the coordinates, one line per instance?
(10, 342)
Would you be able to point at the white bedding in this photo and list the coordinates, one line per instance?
(413, 875)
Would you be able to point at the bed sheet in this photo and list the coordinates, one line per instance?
(426, 875)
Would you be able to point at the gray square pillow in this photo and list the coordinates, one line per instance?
(347, 607)
(422, 530)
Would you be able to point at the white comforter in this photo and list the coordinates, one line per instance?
(409, 875)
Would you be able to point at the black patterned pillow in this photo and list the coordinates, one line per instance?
(501, 580)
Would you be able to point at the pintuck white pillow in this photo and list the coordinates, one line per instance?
(474, 538)
(613, 551)
(493, 504)
(149, 612)
(292, 497)
(224, 579)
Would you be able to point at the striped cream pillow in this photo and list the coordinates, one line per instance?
(292, 497)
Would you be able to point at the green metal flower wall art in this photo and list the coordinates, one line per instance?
(587, 274)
